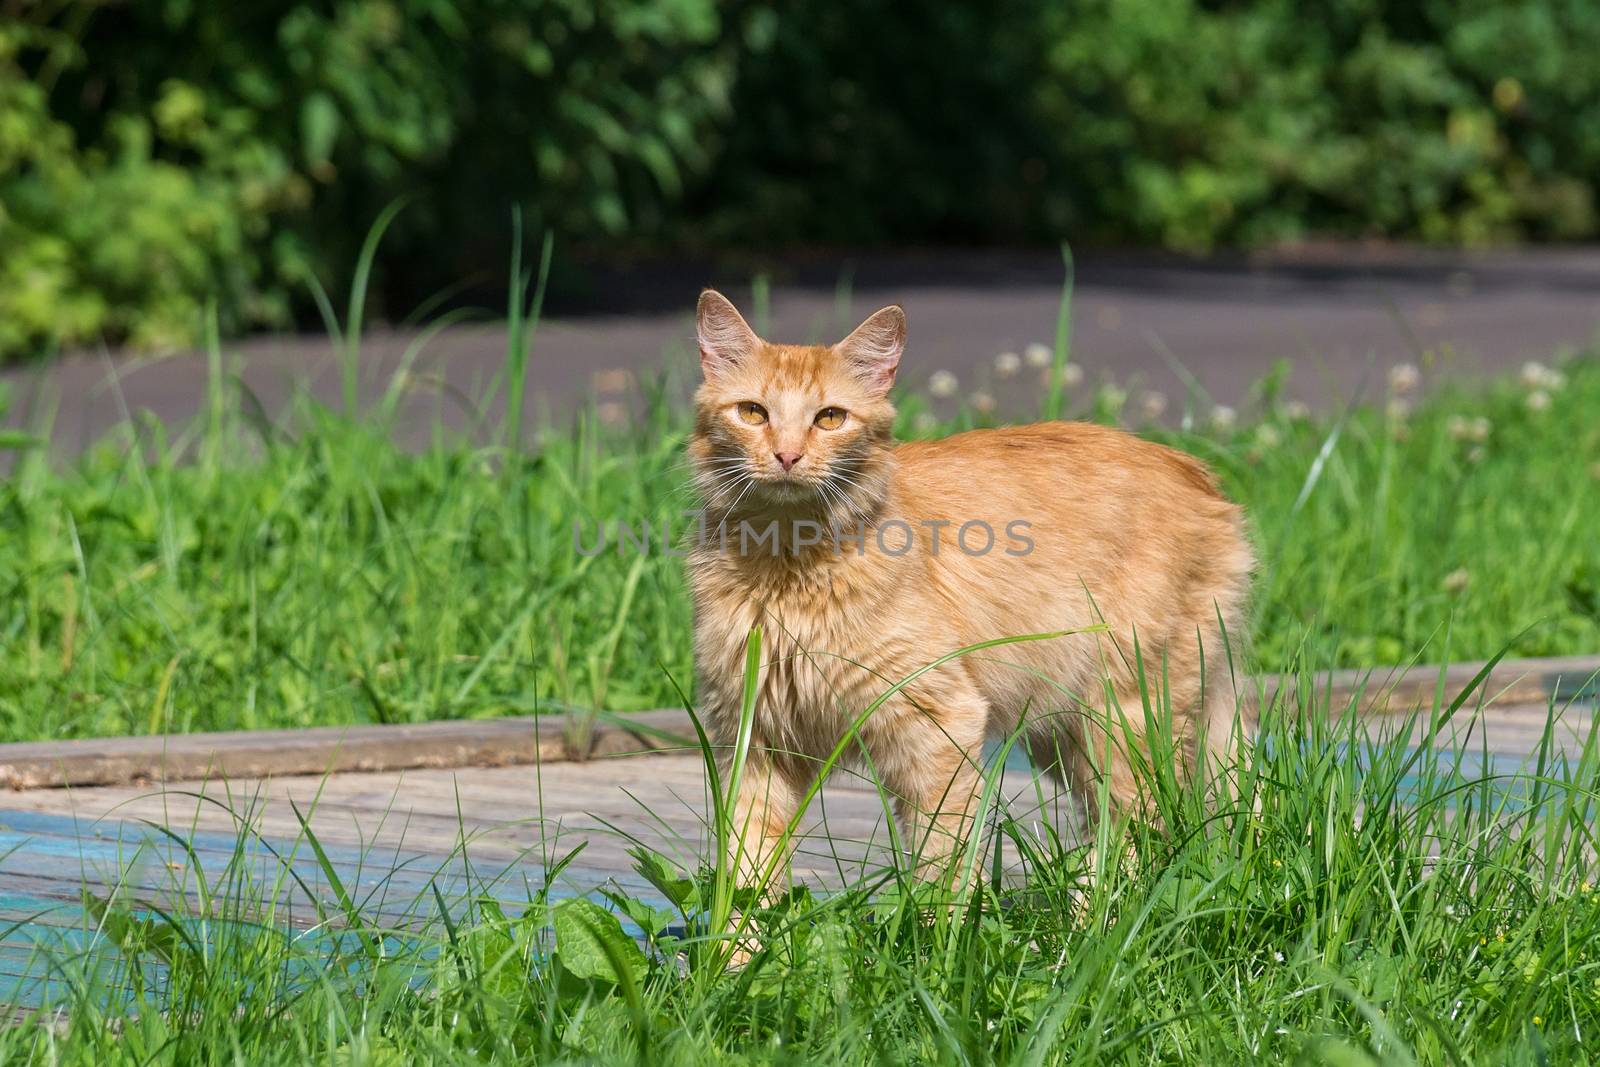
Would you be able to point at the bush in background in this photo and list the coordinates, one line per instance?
(160, 153)
(126, 234)
(1181, 123)
(1198, 124)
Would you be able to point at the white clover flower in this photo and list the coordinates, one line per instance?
(1398, 408)
(1223, 417)
(1538, 400)
(1475, 454)
(1006, 365)
(943, 384)
(1403, 378)
(1112, 397)
(1295, 410)
(1071, 375)
(1038, 355)
(1458, 427)
(1153, 403)
(1267, 436)
(982, 402)
(1277, 957)
(1456, 580)
(613, 380)
(1536, 375)
(925, 422)
(1481, 427)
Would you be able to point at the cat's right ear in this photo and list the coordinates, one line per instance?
(726, 340)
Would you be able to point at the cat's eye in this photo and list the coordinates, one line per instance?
(830, 418)
(751, 413)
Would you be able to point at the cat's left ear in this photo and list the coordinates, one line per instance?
(873, 350)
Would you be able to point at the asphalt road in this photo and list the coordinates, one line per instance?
(1339, 316)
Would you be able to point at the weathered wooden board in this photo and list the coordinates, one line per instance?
(329, 749)
(511, 819)
(554, 738)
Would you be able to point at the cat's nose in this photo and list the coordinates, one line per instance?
(788, 459)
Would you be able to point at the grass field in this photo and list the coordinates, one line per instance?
(1360, 901)
(240, 574)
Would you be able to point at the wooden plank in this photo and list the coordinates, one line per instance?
(549, 739)
(328, 749)
(50, 862)
(436, 808)
(507, 809)
(515, 816)
(1512, 681)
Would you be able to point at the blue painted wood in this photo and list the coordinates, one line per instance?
(53, 949)
(56, 848)
(114, 841)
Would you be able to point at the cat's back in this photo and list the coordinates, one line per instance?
(1143, 530)
(1077, 463)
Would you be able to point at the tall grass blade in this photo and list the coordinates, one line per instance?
(354, 318)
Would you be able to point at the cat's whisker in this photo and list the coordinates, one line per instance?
(708, 475)
(851, 475)
(850, 508)
(831, 496)
(838, 495)
(724, 475)
(718, 479)
(720, 467)
(714, 457)
(725, 469)
(749, 484)
(847, 482)
(851, 504)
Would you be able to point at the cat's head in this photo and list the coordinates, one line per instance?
(793, 425)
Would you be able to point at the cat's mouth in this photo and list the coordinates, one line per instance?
(789, 486)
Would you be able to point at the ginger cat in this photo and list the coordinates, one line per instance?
(864, 560)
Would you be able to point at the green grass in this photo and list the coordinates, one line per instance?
(236, 574)
(1362, 901)
(1359, 901)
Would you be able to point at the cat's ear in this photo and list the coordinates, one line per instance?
(873, 350)
(726, 340)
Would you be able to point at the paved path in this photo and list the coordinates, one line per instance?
(1226, 322)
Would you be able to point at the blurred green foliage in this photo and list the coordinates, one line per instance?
(1184, 123)
(155, 154)
(1446, 120)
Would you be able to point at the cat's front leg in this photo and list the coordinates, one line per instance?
(764, 803)
(759, 843)
(935, 774)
